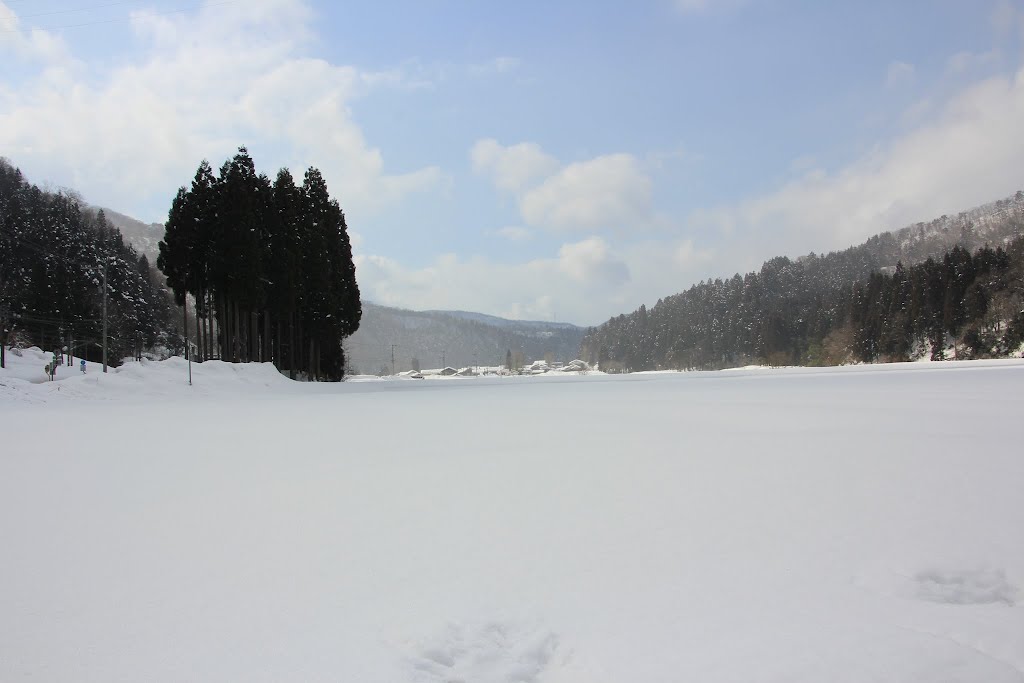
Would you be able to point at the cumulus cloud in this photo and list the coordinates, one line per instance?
(686, 256)
(34, 45)
(969, 153)
(511, 168)
(226, 75)
(965, 61)
(591, 261)
(609, 191)
(584, 282)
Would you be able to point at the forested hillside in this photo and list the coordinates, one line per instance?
(875, 301)
(53, 254)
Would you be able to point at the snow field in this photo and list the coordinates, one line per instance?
(850, 524)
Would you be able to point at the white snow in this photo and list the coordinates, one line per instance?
(845, 524)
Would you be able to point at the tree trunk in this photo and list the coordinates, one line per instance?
(291, 345)
(266, 354)
(200, 328)
(234, 333)
(312, 374)
(243, 336)
(278, 356)
(185, 323)
(209, 327)
(300, 347)
(254, 343)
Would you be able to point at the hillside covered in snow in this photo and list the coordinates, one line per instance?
(951, 288)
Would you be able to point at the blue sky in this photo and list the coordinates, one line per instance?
(536, 160)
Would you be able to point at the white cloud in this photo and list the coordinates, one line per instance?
(227, 75)
(592, 262)
(686, 255)
(514, 233)
(511, 168)
(609, 191)
(498, 65)
(965, 61)
(968, 154)
(584, 282)
(916, 112)
(899, 74)
(35, 45)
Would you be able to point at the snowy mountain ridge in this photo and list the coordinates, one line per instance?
(993, 224)
(539, 325)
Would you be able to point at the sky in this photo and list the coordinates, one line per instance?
(560, 161)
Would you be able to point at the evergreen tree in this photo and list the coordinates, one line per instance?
(272, 260)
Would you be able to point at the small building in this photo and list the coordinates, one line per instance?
(576, 366)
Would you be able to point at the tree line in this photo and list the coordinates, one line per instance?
(266, 267)
(53, 253)
(826, 310)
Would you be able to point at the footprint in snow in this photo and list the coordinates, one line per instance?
(945, 586)
(972, 587)
(494, 652)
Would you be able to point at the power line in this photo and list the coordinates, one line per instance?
(121, 19)
(80, 9)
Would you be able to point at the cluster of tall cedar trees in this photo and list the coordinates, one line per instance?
(53, 254)
(809, 312)
(268, 266)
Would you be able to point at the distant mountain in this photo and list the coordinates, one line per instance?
(455, 338)
(502, 322)
(143, 236)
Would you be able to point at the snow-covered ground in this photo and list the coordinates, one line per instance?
(852, 524)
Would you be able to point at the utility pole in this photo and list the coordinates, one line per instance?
(3, 334)
(392, 359)
(443, 366)
(104, 317)
(188, 352)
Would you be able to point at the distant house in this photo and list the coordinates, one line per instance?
(576, 366)
(538, 367)
(448, 372)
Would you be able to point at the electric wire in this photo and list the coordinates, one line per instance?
(79, 9)
(122, 19)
